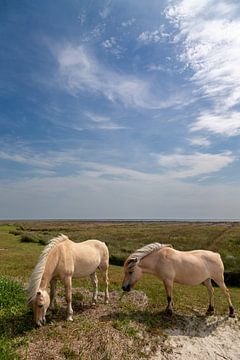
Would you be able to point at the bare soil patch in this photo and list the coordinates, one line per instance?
(201, 339)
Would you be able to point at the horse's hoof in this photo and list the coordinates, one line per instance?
(210, 311)
(167, 314)
(69, 318)
(231, 312)
(106, 302)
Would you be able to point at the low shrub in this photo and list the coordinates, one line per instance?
(116, 260)
(15, 232)
(29, 238)
(15, 318)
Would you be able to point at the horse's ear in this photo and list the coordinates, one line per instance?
(132, 262)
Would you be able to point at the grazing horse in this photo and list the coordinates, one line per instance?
(64, 259)
(182, 267)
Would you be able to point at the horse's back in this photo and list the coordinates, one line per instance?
(191, 267)
(91, 245)
(88, 256)
(194, 255)
(78, 259)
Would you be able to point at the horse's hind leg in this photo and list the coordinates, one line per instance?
(168, 284)
(208, 284)
(53, 284)
(104, 271)
(220, 282)
(68, 295)
(94, 279)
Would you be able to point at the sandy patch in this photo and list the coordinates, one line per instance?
(202, 339)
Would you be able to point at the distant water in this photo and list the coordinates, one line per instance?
(132, 220)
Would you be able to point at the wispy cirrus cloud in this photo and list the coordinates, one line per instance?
(182, 166)
(104, 122)
(156, 67)
(140, 197)
(227, 123)
(209, 33)
(46, 161)
(81, 71)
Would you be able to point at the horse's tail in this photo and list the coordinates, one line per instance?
(105, 254)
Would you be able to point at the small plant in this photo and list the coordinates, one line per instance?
(15, 232)
(29, 238)
(12, 295)
(116, 260)
(13, 309)
(68, 352)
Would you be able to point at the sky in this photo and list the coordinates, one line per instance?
(121, 109)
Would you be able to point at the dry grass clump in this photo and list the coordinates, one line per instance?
(98, 332)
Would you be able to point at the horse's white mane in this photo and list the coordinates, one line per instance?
(36, 276)
(146, 250)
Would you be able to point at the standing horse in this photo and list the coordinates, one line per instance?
(182, 267)
(63, 259)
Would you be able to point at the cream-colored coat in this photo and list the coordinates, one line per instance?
(182, 267)
(63, 259)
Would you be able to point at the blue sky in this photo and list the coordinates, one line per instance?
(119, 109)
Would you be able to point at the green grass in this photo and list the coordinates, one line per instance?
(13, 316)
(130, 327)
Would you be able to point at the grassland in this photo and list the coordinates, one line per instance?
(128, 328)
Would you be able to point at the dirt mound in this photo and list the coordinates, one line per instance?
(201, 339)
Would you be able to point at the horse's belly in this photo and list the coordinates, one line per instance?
(193, 277)
(84, 271)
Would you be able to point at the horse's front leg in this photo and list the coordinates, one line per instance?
(68, 295)
(168, 284)
(53, 284)
(94, 279)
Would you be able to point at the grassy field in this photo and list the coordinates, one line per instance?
(130, 327)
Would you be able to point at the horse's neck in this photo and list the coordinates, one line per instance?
(48, 272)
(147, 264)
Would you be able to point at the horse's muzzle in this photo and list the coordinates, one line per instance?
(126, 288)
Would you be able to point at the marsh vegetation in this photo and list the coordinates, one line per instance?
(131, 326)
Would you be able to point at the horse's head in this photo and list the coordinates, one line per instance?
(132, 273)
(40, 304)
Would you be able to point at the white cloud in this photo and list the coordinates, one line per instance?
(113, 47)
(105, 12)
(104, 122)
(109, 43)
(189, 165)
(97, 118)
(44, 161)
(156, 67)
(88, 196)
(155, 36)
(26, 158)
(209, 32)
(129, 22)
(80, 71)
(199, 141)
(227, 124)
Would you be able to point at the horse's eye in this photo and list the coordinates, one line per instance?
(130, 272)
(40, 306)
